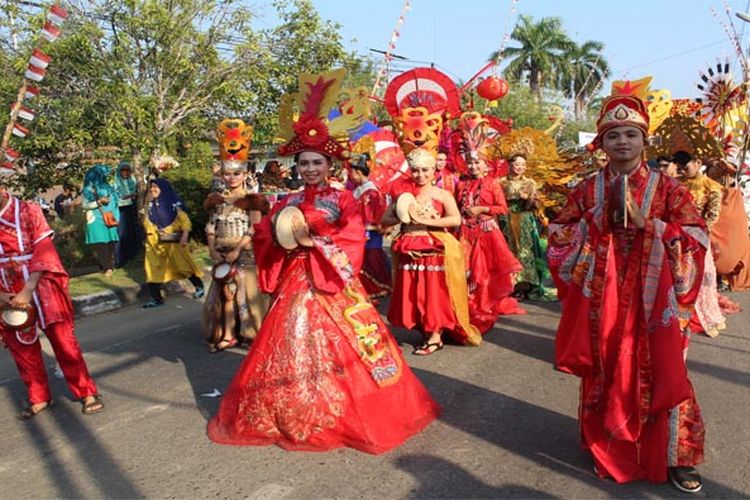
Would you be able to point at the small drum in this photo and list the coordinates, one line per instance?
(223, 272)
(284, 227)
(18, 319)
(403, 204)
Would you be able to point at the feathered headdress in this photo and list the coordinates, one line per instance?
(312, 131)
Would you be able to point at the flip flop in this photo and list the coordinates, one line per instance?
(427, 348)
(678, 476)
(92, 407)
(223, 345)
(28, 413)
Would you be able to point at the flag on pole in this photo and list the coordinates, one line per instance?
(50, 32)
(35, 74)
(7, 169)
(19, 130)
(57, 15)
(24, 113)
(31, 91)
(11, 155)
(39, 59)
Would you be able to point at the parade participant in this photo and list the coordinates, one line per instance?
(272, 178)
(430, 290)
(167, 229)
(129, 242)
(731, 244)
(707, 194)
(522, 228)
(102, 216)
(667, 166)
(627, 253)
(35, 285)
(234, 306)
(324, 371)
(490, 263)
(376, 269)
(444, 178)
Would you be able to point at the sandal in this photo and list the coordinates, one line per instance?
(680, 476)
(29, 412)
(428, 348)
(94, 406)
(223, 345)
(152, 303)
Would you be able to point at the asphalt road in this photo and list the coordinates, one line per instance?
(509, 426)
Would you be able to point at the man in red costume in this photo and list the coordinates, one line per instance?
(627, 254)
(33, 278)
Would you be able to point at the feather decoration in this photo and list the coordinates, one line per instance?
(318, 93)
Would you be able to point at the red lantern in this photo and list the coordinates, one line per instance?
(492, 88)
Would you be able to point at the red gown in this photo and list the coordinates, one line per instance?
(489, 261)
(324, 371)
(429, 263)
(376, 269)
(26, 247)
(627, 295)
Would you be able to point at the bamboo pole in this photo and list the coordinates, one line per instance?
(14, 115)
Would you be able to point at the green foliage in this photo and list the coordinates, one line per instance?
(70, 237)
(521, 105)
(192, 181)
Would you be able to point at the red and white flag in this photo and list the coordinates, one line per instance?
(39, 59)
(24, 113)
(7, 169)
(50, 32)
(19, 130)
(35, 74)
(11, 155)
(57, 14)
(31, 91)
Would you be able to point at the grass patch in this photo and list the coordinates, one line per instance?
(131, 275)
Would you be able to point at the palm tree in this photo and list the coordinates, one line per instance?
(541, 54)
(583, 72)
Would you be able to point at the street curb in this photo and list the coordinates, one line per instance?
(117, 298)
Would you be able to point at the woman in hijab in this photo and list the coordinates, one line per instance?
(102, 215)
(167, 228)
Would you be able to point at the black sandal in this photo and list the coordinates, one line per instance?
(679, 476)
(29, 412)
(427, 348)
(92, 407)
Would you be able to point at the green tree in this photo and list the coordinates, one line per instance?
(540, 56)
(582, 75)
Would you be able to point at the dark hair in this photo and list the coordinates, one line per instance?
(662, 158)
(296, 157)
(682, 157)
(361, 164)
(514, 157)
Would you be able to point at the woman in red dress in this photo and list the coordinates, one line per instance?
(430, 291)
(324, 371)
(490, 263)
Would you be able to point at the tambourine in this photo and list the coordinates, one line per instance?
(223, 271)
(403, 204)
(284, 227)
(18, 319)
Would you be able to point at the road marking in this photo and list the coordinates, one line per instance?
(167, 328)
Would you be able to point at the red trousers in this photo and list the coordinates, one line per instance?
(31, 367)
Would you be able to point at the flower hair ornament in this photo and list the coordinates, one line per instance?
(303, 117)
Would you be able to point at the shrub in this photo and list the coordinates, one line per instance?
(70, 240)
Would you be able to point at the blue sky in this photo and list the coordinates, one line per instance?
(671, 40)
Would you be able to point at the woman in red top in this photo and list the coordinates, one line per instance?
(324, 371)
(490, 263)
(430, 291)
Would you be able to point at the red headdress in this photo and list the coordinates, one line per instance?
(619, 111)
(419, 100)
(312, 131)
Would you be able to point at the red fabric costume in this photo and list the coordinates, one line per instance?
(627, 294)
(324, 371)
(376, 269)
(489, 261)
(421, 298)
(26, 247)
